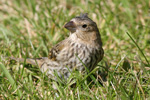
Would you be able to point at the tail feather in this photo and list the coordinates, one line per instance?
(36, 61)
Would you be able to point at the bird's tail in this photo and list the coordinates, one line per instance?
(36, 61)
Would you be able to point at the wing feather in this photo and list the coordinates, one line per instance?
(57, 49)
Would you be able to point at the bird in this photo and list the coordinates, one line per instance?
(81, 50)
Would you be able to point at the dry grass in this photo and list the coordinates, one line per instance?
(28, 28)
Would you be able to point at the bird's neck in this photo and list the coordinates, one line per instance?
(92, 39)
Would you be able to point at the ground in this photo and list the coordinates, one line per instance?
(29, 28)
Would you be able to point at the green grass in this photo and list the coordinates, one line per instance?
(29, 28)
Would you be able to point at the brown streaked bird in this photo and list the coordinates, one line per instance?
(83, 44)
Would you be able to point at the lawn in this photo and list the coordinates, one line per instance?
(29, 28)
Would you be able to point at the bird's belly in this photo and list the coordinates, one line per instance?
(78, 58)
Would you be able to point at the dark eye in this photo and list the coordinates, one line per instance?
(84, 26)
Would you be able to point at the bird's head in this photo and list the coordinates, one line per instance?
(81, 23)
(83, 27)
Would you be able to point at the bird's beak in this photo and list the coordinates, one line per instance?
(71, 26)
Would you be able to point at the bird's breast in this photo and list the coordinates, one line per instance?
(77, 55)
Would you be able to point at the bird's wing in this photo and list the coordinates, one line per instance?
(56, 50)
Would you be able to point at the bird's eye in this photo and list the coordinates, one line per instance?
(84, 26)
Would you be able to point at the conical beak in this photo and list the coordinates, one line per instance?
(71, 26)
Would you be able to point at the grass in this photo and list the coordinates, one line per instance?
(29, 28)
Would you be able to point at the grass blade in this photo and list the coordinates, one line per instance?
(11, 80)
(137, 47)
